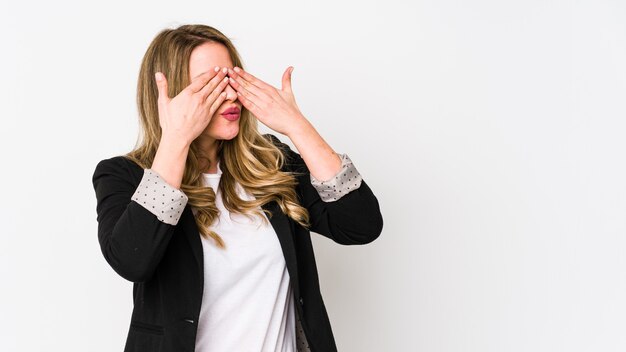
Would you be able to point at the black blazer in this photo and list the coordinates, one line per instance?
(165, 262)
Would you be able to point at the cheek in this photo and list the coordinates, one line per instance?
(212, 124)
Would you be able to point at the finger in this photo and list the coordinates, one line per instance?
(212, 95)
(201, 80)
(237, 71)
(252, 92)
(161, 83)
(253, 108)
(213, 85)
(218, 101)
(287, 79)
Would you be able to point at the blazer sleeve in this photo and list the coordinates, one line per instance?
(350, 218)
(134, 224)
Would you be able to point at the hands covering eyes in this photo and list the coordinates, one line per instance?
(187, 114)
(275, 108)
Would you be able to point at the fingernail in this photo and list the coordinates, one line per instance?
(217, 68)
(158, 76)
(237, 69)
(225, 69)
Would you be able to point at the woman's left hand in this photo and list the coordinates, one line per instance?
(277, 109)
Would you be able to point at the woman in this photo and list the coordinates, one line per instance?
(210, 219)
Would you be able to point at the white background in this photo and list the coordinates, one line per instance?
(492, 133)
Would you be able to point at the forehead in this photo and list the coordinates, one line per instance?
(206, 56)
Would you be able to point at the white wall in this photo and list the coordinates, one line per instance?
(492, 133)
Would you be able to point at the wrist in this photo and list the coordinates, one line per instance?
(174, 142)
(170, 159)
(301, 127)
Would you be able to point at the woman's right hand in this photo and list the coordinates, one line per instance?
(186, 115)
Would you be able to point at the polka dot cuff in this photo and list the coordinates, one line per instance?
(346, 180)
(160, 198)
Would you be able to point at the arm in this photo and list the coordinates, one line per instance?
(352, 217)
(135, 222)
(321, 160)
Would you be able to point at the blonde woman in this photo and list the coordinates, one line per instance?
(210, 219)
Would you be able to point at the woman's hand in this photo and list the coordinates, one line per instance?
(277, 109)
(185, 116)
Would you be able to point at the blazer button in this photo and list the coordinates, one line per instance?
(301, 301)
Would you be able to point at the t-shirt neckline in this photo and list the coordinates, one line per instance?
(214, 175)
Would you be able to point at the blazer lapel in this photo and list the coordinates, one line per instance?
(190, 229)
(284, 231)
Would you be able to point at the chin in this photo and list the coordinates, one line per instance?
(222, 132)
(227, 138)
(228, 135)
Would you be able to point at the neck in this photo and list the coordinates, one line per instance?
(208, 146)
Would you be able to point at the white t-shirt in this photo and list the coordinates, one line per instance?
(247, 303)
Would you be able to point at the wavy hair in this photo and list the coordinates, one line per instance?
(249, 159)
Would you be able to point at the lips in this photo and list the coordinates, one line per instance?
(231, 111)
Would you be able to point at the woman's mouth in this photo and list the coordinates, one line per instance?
(231, 114)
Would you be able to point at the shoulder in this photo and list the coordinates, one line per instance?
(293, 160)
(119, 166)
(285, 148)
(274, 140)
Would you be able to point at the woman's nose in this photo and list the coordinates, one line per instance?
(231, 94)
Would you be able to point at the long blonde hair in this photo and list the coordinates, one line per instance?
(249, 159)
